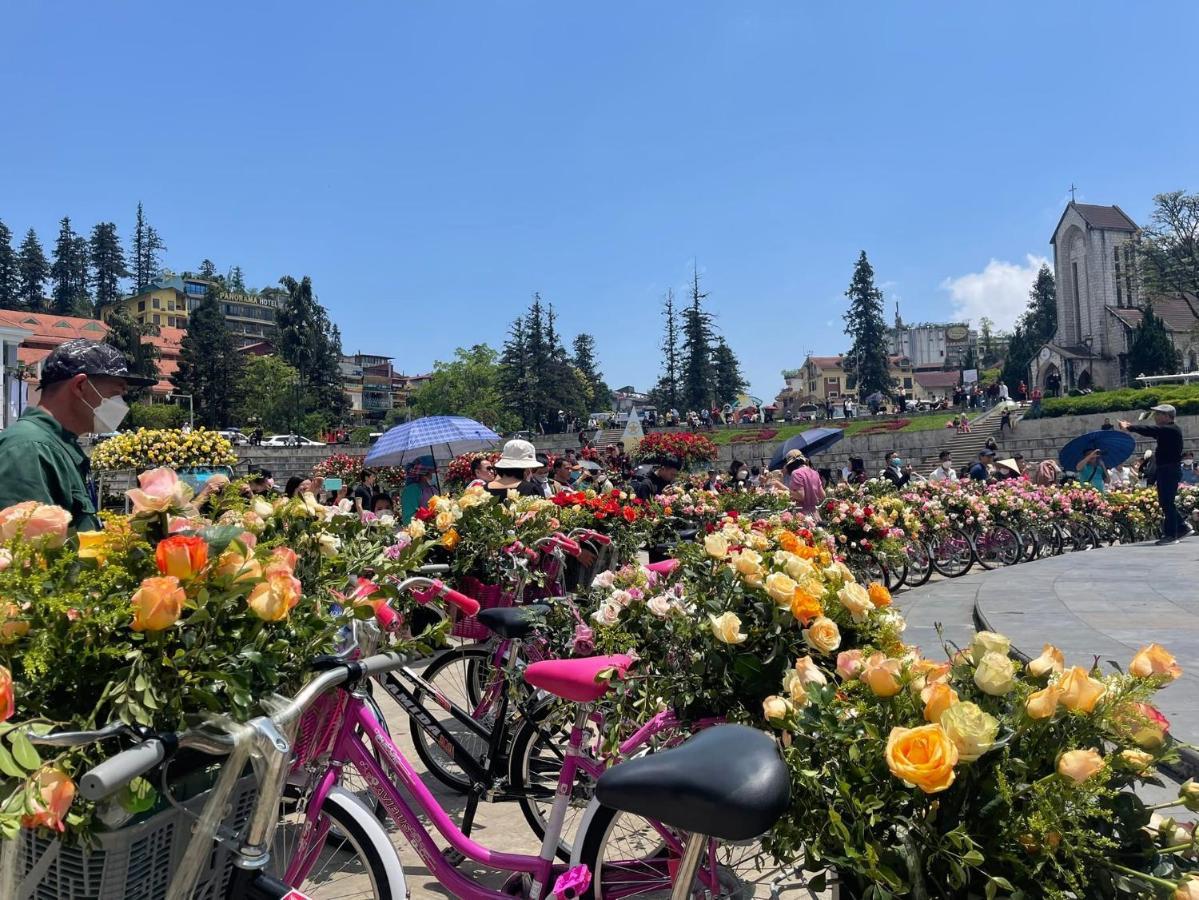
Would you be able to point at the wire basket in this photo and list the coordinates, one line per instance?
(133, 863)
(489, 596)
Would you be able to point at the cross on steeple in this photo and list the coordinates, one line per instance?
(1072, 190)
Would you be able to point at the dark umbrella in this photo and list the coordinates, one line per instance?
(1114, 448)
(811, 442)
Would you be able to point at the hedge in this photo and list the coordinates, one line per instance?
(1184, 397)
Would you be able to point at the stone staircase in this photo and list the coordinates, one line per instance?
(965, 447)
(608, 437)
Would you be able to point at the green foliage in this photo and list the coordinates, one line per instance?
(69, 273)
(209, 367)
(1185, 398)
(667, 392)
(108, 263)
(1035, 327)
(696, 358)
(274, 401)
(1152, 352)
(129, 336)
(157, 415)
(1169, 247)
(599, 395)
(727, 380)
(10, 280)
(311, 343)
(866, 361)
(360, 435)
(144, 252)
(469, 385)
(537, 378)
(32, 272)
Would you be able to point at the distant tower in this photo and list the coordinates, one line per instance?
(898, 321)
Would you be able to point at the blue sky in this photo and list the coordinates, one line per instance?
(431, 165)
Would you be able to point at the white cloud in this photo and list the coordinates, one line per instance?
(999, 292)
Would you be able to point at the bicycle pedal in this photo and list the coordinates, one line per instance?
(453, 857)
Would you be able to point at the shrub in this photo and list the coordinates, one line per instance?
(1184, 397)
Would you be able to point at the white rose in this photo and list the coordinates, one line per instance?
(608, 614)
(660, 606)
(716, 545)
(856, 601)
(604, 580)
(328, 544)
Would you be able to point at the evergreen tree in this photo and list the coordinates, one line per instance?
(108, 264)
(207, 270)
(514, 372)
(33, 270)
(1035, 328)
(236, 281)
(10, 277)
(727, 380)
(864, 323)
(209, 366)
(1152, 352)
(81, 276)
(599, 394)
(696, 372)
(667, 392)
(144, 252)
(141, 355)
(312, 344)
(67, 292)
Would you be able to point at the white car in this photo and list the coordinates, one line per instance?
(290, 440)
(234, 437)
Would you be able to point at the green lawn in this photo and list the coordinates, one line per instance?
(919, 422)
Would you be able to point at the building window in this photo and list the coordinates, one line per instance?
(1077, 301)
(157, 318)
(156, 304)
(141, 305)
(907, 384)
(1119, 291)
(195, 289)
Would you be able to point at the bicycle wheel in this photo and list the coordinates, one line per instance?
(629, 857)
(456, 675)
(1078, 536)
(996, 546)
(952, 553)
(352, 857)
(1048, 538)
(896, 572)
(920, 563)
(538, 753)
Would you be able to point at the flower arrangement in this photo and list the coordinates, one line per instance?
(340, 465)
(459, 471)
(690, 448)
(149, 448)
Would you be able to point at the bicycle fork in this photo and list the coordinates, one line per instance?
(566, 781)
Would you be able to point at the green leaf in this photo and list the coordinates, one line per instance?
(23, 751)
(8, 766)
(137, 796)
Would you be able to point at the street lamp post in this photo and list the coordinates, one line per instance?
(191, 410)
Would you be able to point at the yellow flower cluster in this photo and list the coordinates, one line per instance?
(153, 447)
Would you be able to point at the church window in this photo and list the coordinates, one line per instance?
(1077, 301)
(1129, 261)
(1119, 292)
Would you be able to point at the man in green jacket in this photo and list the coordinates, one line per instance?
(40, 458)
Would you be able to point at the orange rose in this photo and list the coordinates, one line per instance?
(238, 566)
(789, 541)
(881, 675)
(450, 539)
(183, 556)
(923, 757)
(12, 626)
(1043, 704)
(158, 603)
(1079, 765)
(7, 703)
(1050, 661)
(51, 792)
(937, 698)
(274, 598)
(806, 605)
(1154, 661)
(879, 595)
(1079, 691)
(282, 562)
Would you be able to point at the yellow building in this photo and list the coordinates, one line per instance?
(823, 379)
(164, 302)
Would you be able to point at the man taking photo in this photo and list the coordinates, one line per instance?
(1168, 457)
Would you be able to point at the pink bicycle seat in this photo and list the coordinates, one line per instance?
(665, 567)
(575, 679)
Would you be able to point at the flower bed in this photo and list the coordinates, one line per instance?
(149, 448)
(690, 448)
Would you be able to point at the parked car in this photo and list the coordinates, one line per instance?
(290, 440)
(235, 437)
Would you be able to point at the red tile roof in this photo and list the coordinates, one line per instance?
(1180, 312)
(937, 379)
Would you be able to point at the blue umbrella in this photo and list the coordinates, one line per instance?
(811, 442)
(442, 437)
(1114, 448)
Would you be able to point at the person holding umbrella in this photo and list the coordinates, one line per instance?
(804, 483)
(418, 489)
(1168, 456)
(1093, 470)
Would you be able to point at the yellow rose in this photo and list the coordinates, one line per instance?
(328, 544)
(995, 674)
(1079, 765)
(1043, 704)
(822, 635)
(1137, 760)
(972, 731)
(988, 642)
(262, 508)
(856, 600)
(157, 603)
(775, 708)
(1050, 662)
(415, 529)
(274, 598)
(881, 675)
(1188, 889)
(1154, 661)
(748, 563)
(937, 698)
(781, 588)
(727, 628)
(444, 520)
(1079, 691)
(800, 569)
(839, 572)
(93, 545)
(11, 625)
(923, 757)
(450, 539)
(808, 672)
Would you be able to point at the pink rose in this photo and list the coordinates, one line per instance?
(160, 491)
(11, 518)
(849, 664)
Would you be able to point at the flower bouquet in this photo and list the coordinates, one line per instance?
(689, 448)
(149, 448)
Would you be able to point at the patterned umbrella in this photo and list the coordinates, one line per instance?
(442, 437)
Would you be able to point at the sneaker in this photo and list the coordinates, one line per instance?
(1163, 541)
(1187, 531)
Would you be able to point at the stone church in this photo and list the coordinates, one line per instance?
(1100, 302)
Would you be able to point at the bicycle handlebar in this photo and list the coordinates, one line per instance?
(595, 537)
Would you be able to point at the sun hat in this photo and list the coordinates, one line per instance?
(519, 454)
(1166, 408)
(793, 455)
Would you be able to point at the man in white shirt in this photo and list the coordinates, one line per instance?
(944, 471)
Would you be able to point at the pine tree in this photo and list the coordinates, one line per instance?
(727, 380)
(108, 264)
(64, 273)
(312, 344)
(81, 276)
(236, 281)
(10, 279)
(599, 394)
(696, 387)
(207, 270)
(514, 372)
(33, 270)
(864, 323)
(144, 252)
(668, 389)
(129, 336)
(1035, 328)
(209, 366)
(1152, 352)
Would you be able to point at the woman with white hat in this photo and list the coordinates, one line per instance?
(512, 471)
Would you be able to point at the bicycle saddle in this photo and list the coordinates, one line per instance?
(576, 679)
(513, 621)
(727, 782)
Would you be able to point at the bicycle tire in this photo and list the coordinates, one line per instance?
(473, 658)
(953, 560)
(997, 546)
(355, 826)
(920, 563)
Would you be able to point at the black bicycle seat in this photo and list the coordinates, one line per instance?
(727, 782)
(511, 622)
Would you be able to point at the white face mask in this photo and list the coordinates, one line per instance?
(108, 414)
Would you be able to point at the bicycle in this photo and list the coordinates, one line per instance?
(952, 552)
(996, 546)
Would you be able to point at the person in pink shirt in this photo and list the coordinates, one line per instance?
(807, 490)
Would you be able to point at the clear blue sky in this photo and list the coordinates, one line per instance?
(431, 165)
